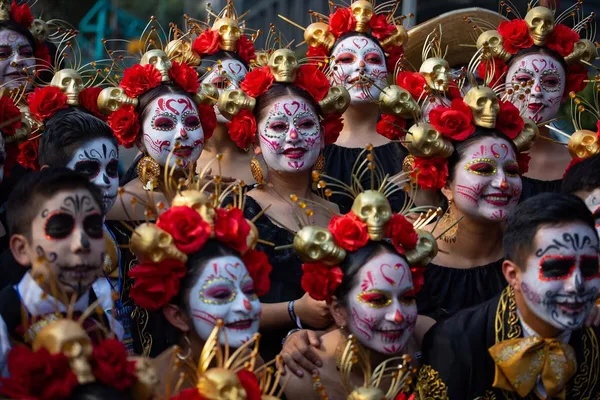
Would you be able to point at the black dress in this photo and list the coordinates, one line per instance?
(340, 160)
(448, 290)
(531, 187)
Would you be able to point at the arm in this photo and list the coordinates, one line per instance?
(311, 312)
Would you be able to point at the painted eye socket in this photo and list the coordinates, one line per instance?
(164, 123)
(5, 51)
(89, 168)
(112, 169)
(248, 289)
(59, 226)
(278, 126)
(92, 225)
(26, 51)
(551, 81)
(345, 58)
(191, 121)
(373, 59)
(512, 169)
(375, 299)
(556, 267)
(589, 267)
(482, 168)
(220, 293)
(522, 78)
(307, 124)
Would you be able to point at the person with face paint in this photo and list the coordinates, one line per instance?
(529, 341)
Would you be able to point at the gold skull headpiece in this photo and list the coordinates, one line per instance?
(584, 142)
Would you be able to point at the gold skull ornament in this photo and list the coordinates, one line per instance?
(147, 379)
(221, 384)
(526, 137)
(71, 84)
(4, 10)
(208, 94)
(425, 251)
(372, 208)
(283, 64)
(160, 60)
(584, 144)
(151, 244)
(484, 106)
(398, 101)
(68, 337)
(362, 11)
(315, 244)
(111, 98)
(424, 141)
(398, 38)
(252, 238)
(495, 44)
(366, 393)
(584, 50)
(436, 72)
(262, 59)
(198, 201)
(317, 34)
(540, 21)
(336, 101)
(233, 101)
(229, 33)
(39, 29)
(181, 51)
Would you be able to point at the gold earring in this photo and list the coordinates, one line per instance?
(320, 164)
(450, 224)
(148, 171)
(256, 171)
(188, 351)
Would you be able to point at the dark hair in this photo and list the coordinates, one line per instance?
(538, 50)
(34, 189)
(544, 209)
(584, 175)
(151, 95)
(279, 90)
(13, 26)
(208, 61)
(66, 131)
(364, 34)
(97, 391)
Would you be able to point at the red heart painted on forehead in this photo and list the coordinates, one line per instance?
(231, 267)
(360, 43)
(537, 65)
(170, 107)
(288, 107)
(234, 68)
(186, 102)
(384, 267)
(499, 150)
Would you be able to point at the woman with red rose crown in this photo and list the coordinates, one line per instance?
(287, 112)
(541, 60)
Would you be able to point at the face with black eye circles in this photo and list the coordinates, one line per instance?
(16, 59)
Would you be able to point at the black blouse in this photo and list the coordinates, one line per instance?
(531, 187)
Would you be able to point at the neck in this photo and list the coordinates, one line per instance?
(221, 143)
(286, 183)
(360, 120)
(477, 241)
(540, 327)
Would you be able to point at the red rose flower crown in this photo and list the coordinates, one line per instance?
(282, 67)
(370, 219)
(16, 127)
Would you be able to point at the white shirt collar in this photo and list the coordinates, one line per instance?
(37, 302)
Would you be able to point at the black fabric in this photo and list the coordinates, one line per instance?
(448, 290)
(531, 187)
(131, 172)
(340, 160)
(11, 272)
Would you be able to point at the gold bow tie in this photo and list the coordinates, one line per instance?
(520, 362)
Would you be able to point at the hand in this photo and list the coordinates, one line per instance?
(298, 352)
(312, 312)
(593, 318)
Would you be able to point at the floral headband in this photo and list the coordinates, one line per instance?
(237, 105)
(13, 130)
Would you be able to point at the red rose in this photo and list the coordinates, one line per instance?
(509, 120)
(413, 82)
(139, 79)
(562, 40)
(454, 122)
(125, 125)
(402, 233)
(42, 55)
(257, 81)
(523, 161)
(207, 42)
(188, 394)
(249, 382)
(245, 49)
(394, 53)
(88, 99)
(454, 91)
(111, 367)
(380, 27)
(320, 281)
(576, 75)
(332, 126)
(405, 396)
(156, 284)
(341, 21)
(495, 68)
(348, 231)
(430, 173)
(259, 269)
(45, 102)
(208, 119)
(190, 232)
(418, 278)
(242, 129)
(10, 116)
(313, 80)
(184, 76)
(232, 228)
(515, 35)
(391, 126)
(21, 14)
(317, 53)
(28, 153)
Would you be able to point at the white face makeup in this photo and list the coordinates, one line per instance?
(290, 135)
(359, 65)
(2, 157)
(562, 279)
(68, 233)
(98, 159)
(382, 310)
(16, 53)
(173, 119)
(549, 81)
(487, 184)
(225, 75)
(225, 291)
(592, 201)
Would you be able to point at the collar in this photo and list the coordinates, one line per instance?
(37, 302)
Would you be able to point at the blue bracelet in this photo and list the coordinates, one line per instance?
(293, 315)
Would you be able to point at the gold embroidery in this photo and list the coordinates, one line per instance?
(507, 323)
(587, 376)
(430, 385)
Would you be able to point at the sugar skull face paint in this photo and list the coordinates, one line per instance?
(561, 280)
(68, 234)
(290, 135)
(549, 81)
(487, 184)
(359, 65)
(225, 291)
(98, 159)
(592, 201)
(16, 54)
(173, 119)
(382, 309)
(225, 75)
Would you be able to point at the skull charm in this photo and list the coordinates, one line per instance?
(283, 64)
(372, 208)
(366, 393)
(111, 98)
(540, 21)
(233, 101)
(425, 141)
(362, 10)
(584, 50)
(221, 384)
(395, 100)
(584, 144)
(315, 244)
(180, 50)
(207, 94)
(317, 34)
(495, 44)
(483, 103)
(71, 84)
(151, 244)
(436, 72)
(398, 38)
(425, 251)
(160, 60)
(39, 29)
(336, 101)
(4, 10)
(147, 378)
(526, 137)
(229, 33)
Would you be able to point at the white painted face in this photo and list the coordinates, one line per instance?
(561, 281)
(549, 82)
(487, 184)
(290, 135)
(2, 157)
(16, 53)
(382, 310)
(172, 119)
(359, 65)
(225, 291)
(98, 159)
(225, 75)
(592, 201)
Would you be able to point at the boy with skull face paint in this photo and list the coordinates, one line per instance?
(529, 341)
